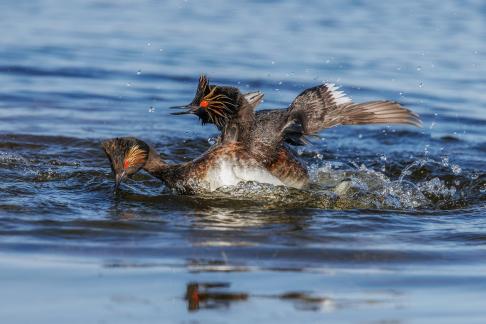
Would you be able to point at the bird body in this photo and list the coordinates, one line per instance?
(222, 165)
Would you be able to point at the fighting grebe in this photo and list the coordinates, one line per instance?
(252, 146)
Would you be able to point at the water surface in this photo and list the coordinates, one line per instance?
(393, 228)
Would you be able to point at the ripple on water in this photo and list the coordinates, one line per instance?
(423, 183)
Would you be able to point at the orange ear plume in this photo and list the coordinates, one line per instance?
(134, 156)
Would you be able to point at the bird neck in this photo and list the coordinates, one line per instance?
(155, 165)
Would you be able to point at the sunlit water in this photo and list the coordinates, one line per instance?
(393, 228)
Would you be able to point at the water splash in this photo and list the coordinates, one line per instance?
(338, 185)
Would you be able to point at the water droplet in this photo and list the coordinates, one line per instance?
(456, 169)
(151, 109)
(273, 62)
(139, 72)
(128, 84)
(419, 68)
(360, 136)
(149, 44)
(421, 84)
(445, 161)
(328, 61)
(212, 140)
(280, 83)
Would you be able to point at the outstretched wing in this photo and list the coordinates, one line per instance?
(318, 108)
(314, 105)
(325, 106)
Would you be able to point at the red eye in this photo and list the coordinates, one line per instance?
(204, 104)
(126, 164)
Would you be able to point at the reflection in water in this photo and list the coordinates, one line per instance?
(213, 265)
(304, 301)
(215, 295)
(211, 295)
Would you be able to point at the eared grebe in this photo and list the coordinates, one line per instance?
(253, 146)
(224, 164)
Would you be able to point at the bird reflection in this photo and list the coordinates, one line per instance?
(211, 295)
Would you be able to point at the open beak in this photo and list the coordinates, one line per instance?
(189, 109)
(118, 180)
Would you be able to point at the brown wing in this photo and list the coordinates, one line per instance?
(318, 108)
(372, 112)
(254, 98)
(325, 106)
(313, 106)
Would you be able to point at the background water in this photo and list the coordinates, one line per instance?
(403, 240)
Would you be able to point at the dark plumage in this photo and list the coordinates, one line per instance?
(264, 132)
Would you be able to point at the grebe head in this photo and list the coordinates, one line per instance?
(127, 156)
(212, 104)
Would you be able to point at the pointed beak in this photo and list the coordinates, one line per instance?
(189, 109)
(118, 180)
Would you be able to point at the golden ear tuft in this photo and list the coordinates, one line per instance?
(134, 156)
(218, 105)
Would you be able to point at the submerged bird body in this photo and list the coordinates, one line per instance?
(253, 146)
(222, 165)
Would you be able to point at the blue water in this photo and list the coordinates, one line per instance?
(404, 242)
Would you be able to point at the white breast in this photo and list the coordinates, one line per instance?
(227, 173)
